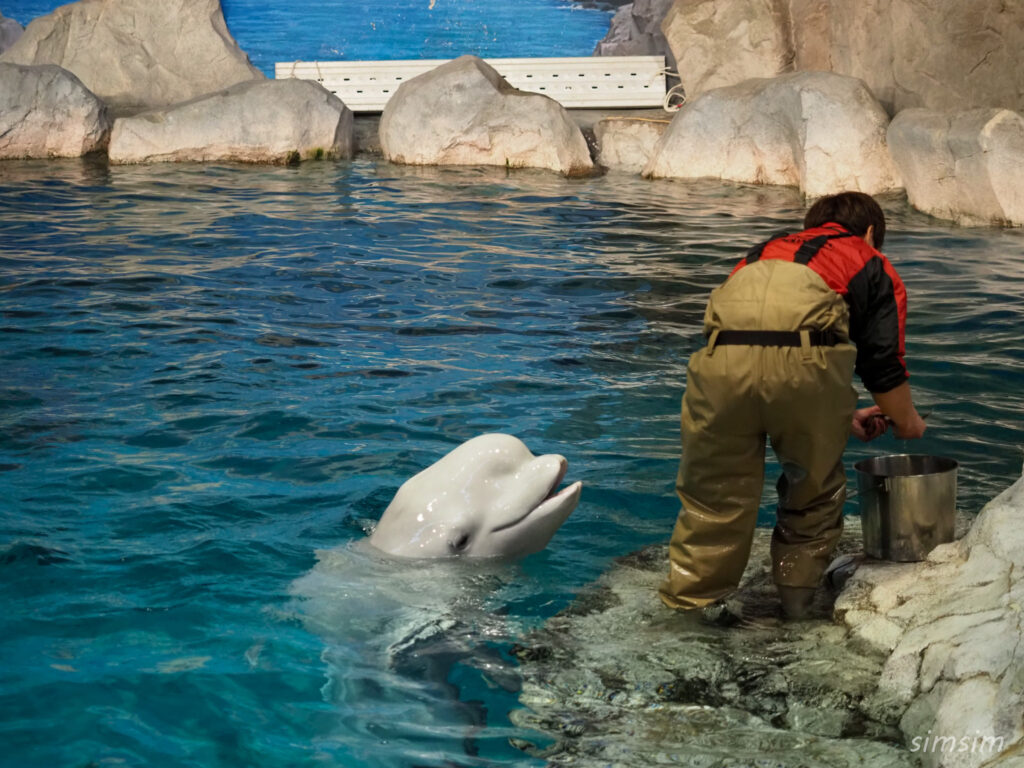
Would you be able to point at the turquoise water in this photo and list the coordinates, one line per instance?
(396, 29)
(211, 372)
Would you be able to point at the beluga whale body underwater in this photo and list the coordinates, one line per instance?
(429, 590)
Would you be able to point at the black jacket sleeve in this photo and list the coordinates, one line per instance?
(876, 327)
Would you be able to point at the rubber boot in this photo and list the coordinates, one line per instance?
(796, 601)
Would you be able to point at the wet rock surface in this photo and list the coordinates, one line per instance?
(47, 112)
(816, 130)
(964, 166)
(619, 679)
(260, 121)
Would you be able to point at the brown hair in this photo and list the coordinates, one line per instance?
(854, 210)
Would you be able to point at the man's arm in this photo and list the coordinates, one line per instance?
(898, 405)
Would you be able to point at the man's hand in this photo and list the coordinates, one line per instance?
(869, 423)
(912, 429)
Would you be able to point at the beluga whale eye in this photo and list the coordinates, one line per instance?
(458, 543)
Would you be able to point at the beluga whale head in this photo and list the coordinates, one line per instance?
(490, 497)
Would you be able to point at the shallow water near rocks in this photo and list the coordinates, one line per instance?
(209, 373)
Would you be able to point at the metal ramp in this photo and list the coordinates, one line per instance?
(583, 82)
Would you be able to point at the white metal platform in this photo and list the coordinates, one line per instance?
(592, 81)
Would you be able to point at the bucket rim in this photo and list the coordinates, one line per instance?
(861, 468)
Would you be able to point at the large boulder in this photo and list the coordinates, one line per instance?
(952, 629)
(465, 113)
(10, 31)
(635, 30)
(716, 44)
(911, 53)
(47, 112)
(268, 121)
(964, 166)
(138, 54)
(819, 131)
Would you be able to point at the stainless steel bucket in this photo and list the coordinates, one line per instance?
(907, 504)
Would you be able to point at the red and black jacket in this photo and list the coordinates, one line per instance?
(867, 281)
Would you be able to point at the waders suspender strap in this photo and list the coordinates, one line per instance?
(755, 253)
(807, 251)
(810, 248)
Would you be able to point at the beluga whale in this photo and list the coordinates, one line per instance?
(424, 603)
(489, 497)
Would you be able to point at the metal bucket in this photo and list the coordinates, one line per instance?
(907, 504)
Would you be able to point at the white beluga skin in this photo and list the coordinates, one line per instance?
(490, 497)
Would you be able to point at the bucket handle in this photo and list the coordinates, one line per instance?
(885, 486)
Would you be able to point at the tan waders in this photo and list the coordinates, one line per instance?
(738, 396)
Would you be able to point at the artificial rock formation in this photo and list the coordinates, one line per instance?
(137, 54)
(964, 166)
(266, 121)
(929, 654)
(627, 143)
(819, 131)
(927, 53)
(911, 53)
(47, 112)
(953, 629)
(10, 31)
(619, 679)
(719, 44)
(465, 113)
(636, 31)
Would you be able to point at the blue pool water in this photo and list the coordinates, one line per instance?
(395, 29)
(208, 373)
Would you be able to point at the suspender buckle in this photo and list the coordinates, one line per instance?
(805, 345)
(712, 341)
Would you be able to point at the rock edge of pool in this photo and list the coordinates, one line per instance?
(909, 664)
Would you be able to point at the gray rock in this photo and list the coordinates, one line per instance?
(137, 54)
(635, 30)
(815, 130)
(268, 121)
(10, 31)
(47, 112)
(627, 144)
(465, 113)
(964, 166)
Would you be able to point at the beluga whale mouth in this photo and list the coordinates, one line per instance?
(553, 501)
(490, 497)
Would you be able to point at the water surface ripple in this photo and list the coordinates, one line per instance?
(210, 372)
